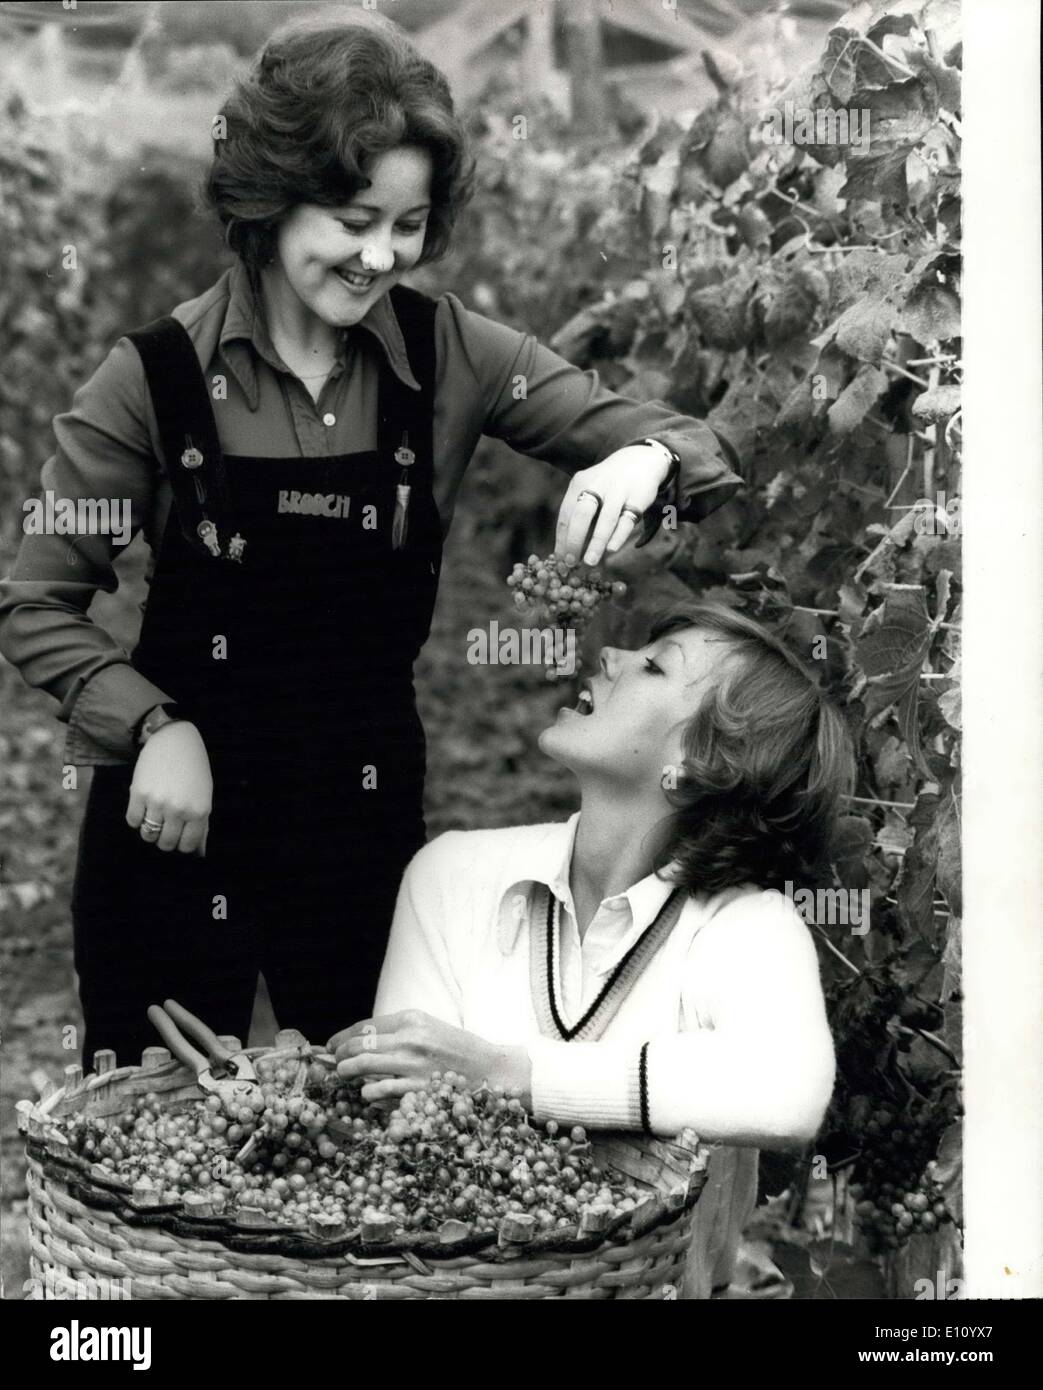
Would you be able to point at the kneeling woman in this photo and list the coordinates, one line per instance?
(636, 967)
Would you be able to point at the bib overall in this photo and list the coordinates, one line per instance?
(295, 661)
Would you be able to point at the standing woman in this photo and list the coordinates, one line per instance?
(292, 442)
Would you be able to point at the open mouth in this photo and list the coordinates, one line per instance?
(354, 279)
(585, 703)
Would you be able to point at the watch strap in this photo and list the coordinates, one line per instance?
(154, 720)
(666, 496)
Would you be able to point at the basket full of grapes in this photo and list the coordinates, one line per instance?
(143, 1183)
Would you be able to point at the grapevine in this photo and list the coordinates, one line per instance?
(897, 1193)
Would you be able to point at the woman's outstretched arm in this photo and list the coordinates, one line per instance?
(760, 1074)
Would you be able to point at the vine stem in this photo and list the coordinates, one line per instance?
(933, 1039)
(838, 250)
(896, 63)
(843, 1163)
(894, 367)
(930, 453)
(905, 473)
(839, 954)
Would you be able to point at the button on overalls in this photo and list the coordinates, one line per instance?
(295, 663)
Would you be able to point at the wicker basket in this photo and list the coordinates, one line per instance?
(88, 1232)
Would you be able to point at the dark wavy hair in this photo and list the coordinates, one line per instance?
(768, 759)
(323, 99)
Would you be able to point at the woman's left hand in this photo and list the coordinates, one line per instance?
(404, 1049)
(630, 478)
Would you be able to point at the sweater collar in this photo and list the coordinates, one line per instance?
(548, 863)
(245, 327)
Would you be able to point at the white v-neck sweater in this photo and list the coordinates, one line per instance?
(730, 1007)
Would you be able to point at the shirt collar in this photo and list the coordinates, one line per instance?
(548, 864)
(245, 326)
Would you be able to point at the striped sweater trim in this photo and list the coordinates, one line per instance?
(642, 1082)
(543, 954)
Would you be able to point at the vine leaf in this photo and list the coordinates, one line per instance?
(792, 309)
(950, 702)
(891, 649)
(914, 890)
(858, 397)
(875, 177)
(937, 404)
(932, 314)
(949, 1168)
(900, 114)
(724, 314)
(949, 856)
(852, 842)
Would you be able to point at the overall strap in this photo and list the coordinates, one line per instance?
(405, 416)
(191, 453)
(416, 317)
(543, 969)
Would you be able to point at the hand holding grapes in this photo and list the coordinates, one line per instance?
(612, 497)
(403, 1049)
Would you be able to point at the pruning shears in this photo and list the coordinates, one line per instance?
(235, 1081)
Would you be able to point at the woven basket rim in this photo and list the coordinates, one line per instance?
(96, 1188)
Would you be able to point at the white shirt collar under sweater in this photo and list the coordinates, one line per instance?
(617, 924)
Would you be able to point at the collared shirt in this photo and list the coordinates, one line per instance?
(584, 963)
(108, 443)
(729, 1011)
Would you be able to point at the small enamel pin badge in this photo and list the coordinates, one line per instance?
(404, 457)
(207, 533)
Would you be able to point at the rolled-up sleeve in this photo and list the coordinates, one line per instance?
(103, 454)
(546, 407)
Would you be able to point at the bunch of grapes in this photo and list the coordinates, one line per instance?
(310, 1152)
(897, 1194)
(558, 592)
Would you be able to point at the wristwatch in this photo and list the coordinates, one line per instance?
(155, 719)
(666, 496)
(672, 455)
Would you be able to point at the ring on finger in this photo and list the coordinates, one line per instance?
(587, 493)
(630, 511)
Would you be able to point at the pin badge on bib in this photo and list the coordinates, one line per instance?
(192, 459)
(405, 458)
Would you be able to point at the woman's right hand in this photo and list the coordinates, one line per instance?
(173, 785)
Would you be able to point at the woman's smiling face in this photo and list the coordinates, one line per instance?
(371, 240)
(637, 708)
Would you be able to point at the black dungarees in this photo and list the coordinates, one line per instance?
(296, 665)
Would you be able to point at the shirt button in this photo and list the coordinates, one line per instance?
(329, 419)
